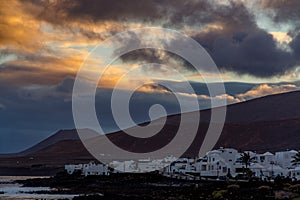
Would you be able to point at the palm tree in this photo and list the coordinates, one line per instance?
(246, 159)
(296, 159)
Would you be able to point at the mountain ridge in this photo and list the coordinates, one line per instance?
(270, 123)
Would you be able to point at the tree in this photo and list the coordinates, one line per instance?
(296, 159)
(246, 159)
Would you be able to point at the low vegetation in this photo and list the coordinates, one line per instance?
(155, 186)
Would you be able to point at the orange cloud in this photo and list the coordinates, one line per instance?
(42, 70)
(265, 89)
(208, 76)
(19, 31)
(45, 52)
(281, 37)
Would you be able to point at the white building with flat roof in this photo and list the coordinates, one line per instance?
(284, 158)
(222, 162)
(295, 173)
(225, 161)
(95, 169)
(88, 169)
(73, 168)
(265, 159)
(218, 162)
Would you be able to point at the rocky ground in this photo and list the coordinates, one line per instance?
(155, 186)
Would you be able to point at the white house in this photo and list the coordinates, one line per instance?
(276, 170)
(218, 162)
(88, 169)
(182, 165)
(148, 165)
(124, 166)
(95, 169)
(265, 159)
(295, 173)
(223, 161)
(215, 163)
(284, 158)
(258, 170)
(143, 165)
(73, 168)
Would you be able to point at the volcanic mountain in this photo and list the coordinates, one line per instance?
(270, 123)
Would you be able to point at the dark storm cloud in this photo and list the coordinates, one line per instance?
(166, 12)
(156, 56)
(15, 68)
(295, 45)
(253, 53)
(169, 13)
(232, 43)
(287, 12)
(59, 12)
(284, 10)
(232, 18)
(239, 45)
(156, 87)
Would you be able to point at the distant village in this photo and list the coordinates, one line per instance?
(220, 164)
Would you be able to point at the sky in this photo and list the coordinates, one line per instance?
(255, 45)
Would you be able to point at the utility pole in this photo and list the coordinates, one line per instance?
(218, 170)
(272, 163)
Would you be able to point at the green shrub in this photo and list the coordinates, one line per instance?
(286, 186)
(295, 188)
(265, 188)
(219, 194)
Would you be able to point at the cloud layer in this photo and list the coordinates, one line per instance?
(43, 44)
(229, 30)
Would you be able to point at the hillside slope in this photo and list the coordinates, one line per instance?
(270, 123)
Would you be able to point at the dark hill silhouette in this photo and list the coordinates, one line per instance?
(270, 123)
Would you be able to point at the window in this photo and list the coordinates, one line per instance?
(224, 169)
